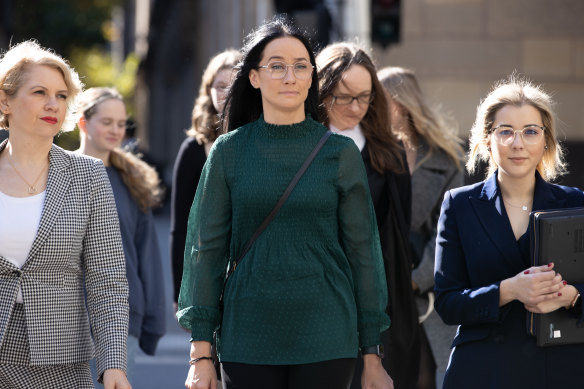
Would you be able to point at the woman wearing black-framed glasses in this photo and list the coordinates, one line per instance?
(356, 106)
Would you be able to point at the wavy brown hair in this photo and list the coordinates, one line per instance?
(384, 148)
(141, 179)
(424, 121)
(206, 120)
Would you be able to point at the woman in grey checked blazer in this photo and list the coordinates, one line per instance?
(58, 227)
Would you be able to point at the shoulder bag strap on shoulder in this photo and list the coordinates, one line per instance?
(280, 202)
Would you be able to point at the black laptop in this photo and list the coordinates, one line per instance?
(558, 236)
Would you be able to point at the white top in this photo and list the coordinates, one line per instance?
(19, 223)
(354, 133)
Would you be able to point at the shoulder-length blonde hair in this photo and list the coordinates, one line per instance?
(516, 91)
(15, 64)
(332, 62)
(206, 121)
(140, 178)
(424, 121)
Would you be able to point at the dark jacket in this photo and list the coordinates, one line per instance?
(475, 250)
(188, 166)
(391, 194)
(143, 267)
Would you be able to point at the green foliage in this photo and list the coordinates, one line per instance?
(81, 31)
(97, 68)
(61, 24)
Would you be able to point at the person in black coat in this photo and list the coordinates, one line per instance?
(193, 153)
(356, 107)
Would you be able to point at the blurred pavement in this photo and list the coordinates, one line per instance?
(168, 368)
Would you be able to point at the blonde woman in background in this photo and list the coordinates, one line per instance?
(136, 190)
(194, 150)
(435, 161)
(59, 232)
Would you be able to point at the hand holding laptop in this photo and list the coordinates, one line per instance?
(533, 286)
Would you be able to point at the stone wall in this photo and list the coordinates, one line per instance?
(459, 48)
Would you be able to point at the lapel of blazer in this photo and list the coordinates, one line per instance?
(428, 180)
(543, 197)
(7, 266)
(57, 185)
(491, 214)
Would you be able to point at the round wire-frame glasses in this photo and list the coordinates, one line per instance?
(278, 70)
(530, 134)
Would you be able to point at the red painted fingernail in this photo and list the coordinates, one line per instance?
(526, 272)
(565, 282)
(550, 264)
(559, 293)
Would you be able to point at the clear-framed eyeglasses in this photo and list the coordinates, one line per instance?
(530, 135)
(347, 99)
(278, 70)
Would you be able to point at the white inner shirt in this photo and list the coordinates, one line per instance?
(354, 133)
(18, 227)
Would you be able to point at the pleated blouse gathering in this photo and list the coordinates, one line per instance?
(312, 287)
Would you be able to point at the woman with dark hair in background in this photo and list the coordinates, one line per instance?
(136, 188)
(193, 153)
(310, 291)
(435, 161)
(356, 107)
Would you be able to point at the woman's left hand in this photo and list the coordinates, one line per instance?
(115, 379)
(561, 299)
(374, 375)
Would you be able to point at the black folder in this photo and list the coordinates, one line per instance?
(558, 236)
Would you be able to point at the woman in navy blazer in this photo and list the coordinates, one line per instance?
(484, 281)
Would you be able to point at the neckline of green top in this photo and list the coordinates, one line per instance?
(295, 130)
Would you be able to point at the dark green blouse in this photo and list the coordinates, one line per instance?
(312, 287)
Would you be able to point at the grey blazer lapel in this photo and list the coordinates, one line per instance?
(428, 183)
(57, 186)
(6, 267)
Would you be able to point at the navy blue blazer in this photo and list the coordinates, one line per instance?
(475, 250)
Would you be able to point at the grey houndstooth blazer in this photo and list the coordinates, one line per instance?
(78, 237)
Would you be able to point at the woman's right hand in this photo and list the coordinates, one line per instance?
(202, 373)
(532, 286)
(202, 376)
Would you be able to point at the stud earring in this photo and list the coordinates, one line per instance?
(545, 147)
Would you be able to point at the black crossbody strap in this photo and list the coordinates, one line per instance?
(280, 202)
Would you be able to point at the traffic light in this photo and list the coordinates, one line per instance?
(385, 21)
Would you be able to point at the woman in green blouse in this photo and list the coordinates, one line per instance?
(311, 290)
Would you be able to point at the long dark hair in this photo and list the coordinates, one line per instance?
(384, 149)
(244, 103)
